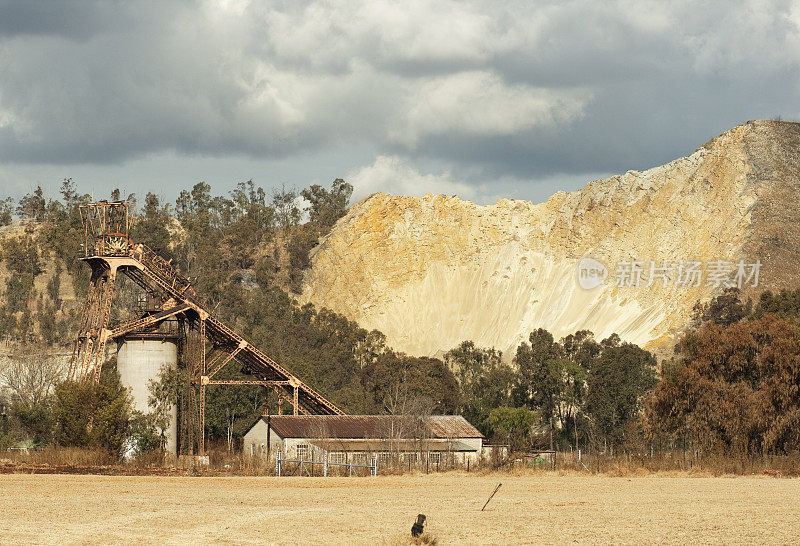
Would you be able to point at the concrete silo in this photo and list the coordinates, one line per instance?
(140, 358)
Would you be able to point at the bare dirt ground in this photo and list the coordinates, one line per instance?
(536, 508)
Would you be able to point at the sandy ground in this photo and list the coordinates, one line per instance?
(527, 509)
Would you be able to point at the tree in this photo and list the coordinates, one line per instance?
(151, 227)
(724, 309)
(581, 348)
(22, 260)
(69, 194)
(33, 205)
(284, 201)
(572, 397)
(31, 378)
(30, 381)
(94, 414)
(164, 396)
(484, 379)
(397, 381)
(539, 376)
(735, 389)
(6, 211)
(785, 304)
(327, 206)
(513, 425)
(617, 382)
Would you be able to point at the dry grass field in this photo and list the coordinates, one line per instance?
(531, 508)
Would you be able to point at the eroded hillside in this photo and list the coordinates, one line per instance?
(430, 272)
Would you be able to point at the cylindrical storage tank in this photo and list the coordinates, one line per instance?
(139, 360)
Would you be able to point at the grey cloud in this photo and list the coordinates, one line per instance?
(105, 83)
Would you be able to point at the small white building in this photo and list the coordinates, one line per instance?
(436, 439)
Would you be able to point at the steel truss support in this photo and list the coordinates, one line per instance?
(202, 424)
(89, 352)
(108, 250)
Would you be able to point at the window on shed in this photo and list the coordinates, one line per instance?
(339, 457)
(302, 451)
(410, 458)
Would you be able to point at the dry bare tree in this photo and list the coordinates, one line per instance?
(31, 379)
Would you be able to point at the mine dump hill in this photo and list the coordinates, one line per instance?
(430, 272)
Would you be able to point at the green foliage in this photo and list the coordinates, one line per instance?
(324, 348)
(34, 419)
(230, 411)
(62, 234)
(21, 257)
(287, 214)
(617, 383)
(327, 206)
(485, 381)
(514, 426)
(786, 304)
(151, 227)
(398, 384)
(46, 319)
(165, 394)
(6, 211)
(94, 414)
(33, 205)
(243, 252)
(579, 386)
(725, 309)
(54, 286)
(581, 348)
(539, 375)
(300, 243)
(144, 435)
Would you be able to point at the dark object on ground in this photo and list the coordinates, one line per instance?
(419, 526)
(492, 495)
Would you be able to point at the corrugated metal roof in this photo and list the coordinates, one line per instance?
(371, 426)
(376, 446)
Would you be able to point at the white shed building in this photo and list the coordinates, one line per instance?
(357, 438)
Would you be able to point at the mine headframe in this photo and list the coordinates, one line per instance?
(109, 250)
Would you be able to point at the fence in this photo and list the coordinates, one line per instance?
(304, 465)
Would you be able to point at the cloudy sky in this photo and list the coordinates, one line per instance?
(479, 99)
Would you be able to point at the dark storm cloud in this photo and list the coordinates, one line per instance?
(75, 20)
(484, 90)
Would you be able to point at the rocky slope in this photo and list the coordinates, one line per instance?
(430, 272)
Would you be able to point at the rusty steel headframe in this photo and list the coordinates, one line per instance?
(109, 250)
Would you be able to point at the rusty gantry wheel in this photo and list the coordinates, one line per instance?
(116, 244)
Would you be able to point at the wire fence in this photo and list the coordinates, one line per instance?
(307, 466)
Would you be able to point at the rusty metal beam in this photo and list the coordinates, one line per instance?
(108, 250)
(148, 321)
(246, 382)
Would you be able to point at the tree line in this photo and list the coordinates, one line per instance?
(731, 386)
